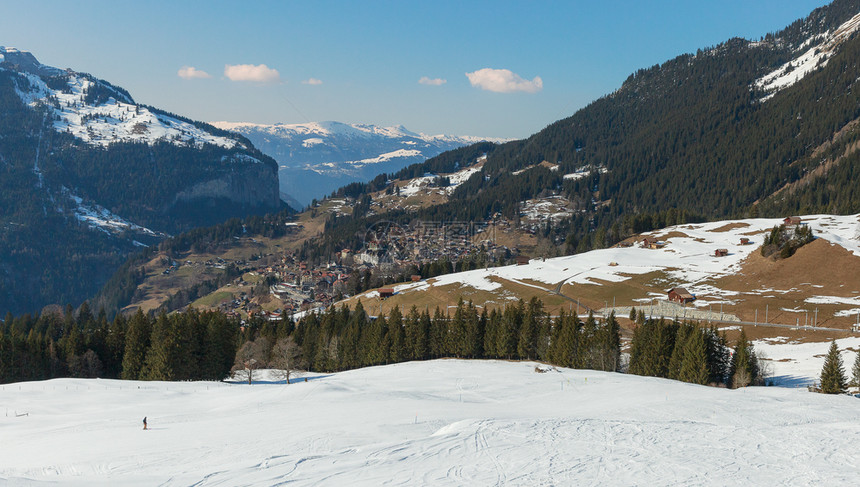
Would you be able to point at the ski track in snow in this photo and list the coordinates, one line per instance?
(448, 422)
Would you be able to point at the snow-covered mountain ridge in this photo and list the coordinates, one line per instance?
(316, 158)
(355, 130)
(96, 112)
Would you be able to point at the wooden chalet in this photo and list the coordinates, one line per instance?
(745, 241)
(386, 292)
(415, 277)
(522, 259)
(652, 243)
(792, 221)
(680, 295)
(721, 252)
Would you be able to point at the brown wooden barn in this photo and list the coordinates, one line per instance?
(680, 295)
(721, 252)
(386, 292)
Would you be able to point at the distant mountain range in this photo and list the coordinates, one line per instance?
(89, 175)
(316, 158)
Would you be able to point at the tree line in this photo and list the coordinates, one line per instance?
(58, 343)
(687, 352)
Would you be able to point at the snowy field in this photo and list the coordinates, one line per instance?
(687, 258)
(444, 422)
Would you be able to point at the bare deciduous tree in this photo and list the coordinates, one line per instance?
(287, 356)
(249, 357)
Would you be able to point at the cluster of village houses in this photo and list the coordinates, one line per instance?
(299, 286)
(289, 285)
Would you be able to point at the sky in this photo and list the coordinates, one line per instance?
(484, 68)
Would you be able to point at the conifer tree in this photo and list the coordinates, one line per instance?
(160, 363)
(422, 344)
(694, 367)
(855, 370)
(491, 333)
(718, 355)
(527, 340)
(610, 344)
(438, 334)
(744, 366)
(685, 331)
(833, 379)
(136, 344)
(397, 352)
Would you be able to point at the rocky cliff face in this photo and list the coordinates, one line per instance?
(252, 187)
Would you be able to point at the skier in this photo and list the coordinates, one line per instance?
(144, 422)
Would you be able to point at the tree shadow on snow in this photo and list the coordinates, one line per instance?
(293, 380)
(791, 381)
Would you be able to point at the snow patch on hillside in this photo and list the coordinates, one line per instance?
(687, 258)
(815, 56)
(388, 156)
(462, 176)
(100, 218)
(112, 120)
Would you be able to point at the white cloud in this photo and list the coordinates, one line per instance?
(190, 72)
(312, 81)
(251, 72)
(432, 81)
(503, 81)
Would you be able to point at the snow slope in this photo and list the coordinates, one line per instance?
(812, 54)
(445, 422)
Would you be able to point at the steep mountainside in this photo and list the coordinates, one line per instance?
(707, 135)
(88, 175)
(317, 158)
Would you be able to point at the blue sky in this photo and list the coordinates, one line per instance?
(531, 62)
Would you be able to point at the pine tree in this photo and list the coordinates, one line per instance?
(397, 352)
(161, 358)
(744, 367)
(136, 344)
(694, 367)
(833, 379)
(527, 342)
(685, 331)
(855, 371)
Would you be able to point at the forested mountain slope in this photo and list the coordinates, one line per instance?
(88, 176)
